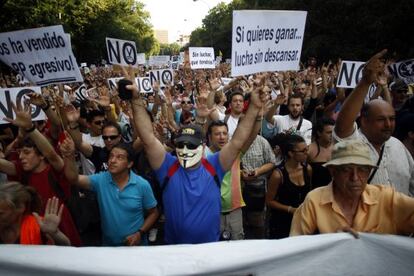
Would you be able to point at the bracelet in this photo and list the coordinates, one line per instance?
(259, 118)
(46, 107)
(31, 129)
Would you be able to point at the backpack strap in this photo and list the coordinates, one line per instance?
(211, 170)
(171, 171)
(226, 118)
(174, 168)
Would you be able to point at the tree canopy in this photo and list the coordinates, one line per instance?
(349, 29)
(88, 22)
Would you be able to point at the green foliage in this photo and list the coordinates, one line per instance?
(351, 29)
(169, 49)
(89, 22)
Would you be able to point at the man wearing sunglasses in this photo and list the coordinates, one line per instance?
(191, 196)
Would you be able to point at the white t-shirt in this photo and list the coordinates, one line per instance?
(87, 166)
(232, 123)
(285, 123)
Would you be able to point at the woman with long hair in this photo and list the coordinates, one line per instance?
(320, 151)
(19, 219)
(288, 185)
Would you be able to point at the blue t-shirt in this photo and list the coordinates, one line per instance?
(122, 211)
(191, 202)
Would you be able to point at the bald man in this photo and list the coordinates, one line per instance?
(377, 124)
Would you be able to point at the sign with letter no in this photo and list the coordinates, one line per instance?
(350, 73)
(144, 85)
(9, 95)
(122, 52)
(162, 76)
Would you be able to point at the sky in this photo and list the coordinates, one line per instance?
(178, 16)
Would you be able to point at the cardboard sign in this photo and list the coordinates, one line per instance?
(144, 85)
(159, 60)
(9, 95)
(266, 41)
(202, 58)
(350, 73)
(43, 55)
(122, 52)
(162, 76)
(141, 58)
(403, 70)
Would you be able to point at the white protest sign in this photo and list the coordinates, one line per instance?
(226, 81)
(350, 73)
(141, 58)
(266, 41)
(162, 76)
(81, 94)
(403, 70)
(83, 64)
(9, 95)
(159, 60)
(113, 83)
(122, 52)
(43, 55)
(202, 58)
(144, 85)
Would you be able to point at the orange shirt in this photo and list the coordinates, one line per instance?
(381, 210)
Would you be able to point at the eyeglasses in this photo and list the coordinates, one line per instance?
(190, 146)
(185, 102)
(112, 137)
(99, 123)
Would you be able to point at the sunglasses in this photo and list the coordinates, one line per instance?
(185, 102)
(190, 146)
(112, 137)
(98, 123)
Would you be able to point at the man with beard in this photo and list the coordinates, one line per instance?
(377, 123)
(294, 122)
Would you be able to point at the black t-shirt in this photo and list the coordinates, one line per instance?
(99, 158)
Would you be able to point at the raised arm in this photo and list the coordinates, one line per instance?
(72, 116)
(67, 149)
(49, 224)
(230, 151)
(153, 147)
(373, 70)
(24, 120)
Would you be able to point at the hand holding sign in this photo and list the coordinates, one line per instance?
(132, 88)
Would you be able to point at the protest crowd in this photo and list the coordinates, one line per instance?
(201, 156)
